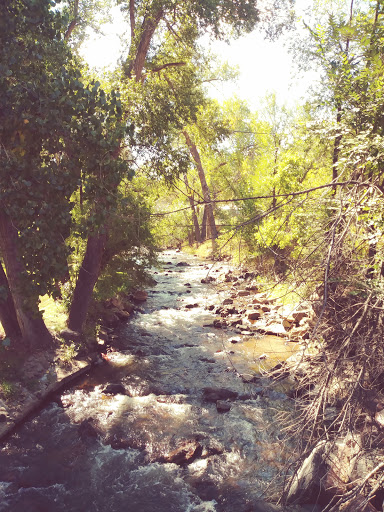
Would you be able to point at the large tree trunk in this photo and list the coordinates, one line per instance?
(204, 186)
(8, 317)
(193, 210)
(34, 332)
(86, 280)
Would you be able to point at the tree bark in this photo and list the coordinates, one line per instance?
(204, 225)
(8, 317)
(193, 210)
(204, 186)
(74, 20)
(34, 332)
(136, 63)
(86, 280)
(132, 18)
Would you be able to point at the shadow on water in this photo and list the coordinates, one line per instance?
(160, 442)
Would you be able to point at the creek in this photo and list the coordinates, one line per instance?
(185, 428)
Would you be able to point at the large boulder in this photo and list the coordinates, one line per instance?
(186, 453)
(140, 296)
(307, 481)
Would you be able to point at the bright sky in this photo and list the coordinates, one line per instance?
(265, 66)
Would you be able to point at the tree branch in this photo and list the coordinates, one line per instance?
(132, 18)
(73, 23)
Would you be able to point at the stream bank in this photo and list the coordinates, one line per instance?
(178, 418)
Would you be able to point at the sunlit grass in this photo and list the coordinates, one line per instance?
(203, 250)
(289, 294)
(54, 313)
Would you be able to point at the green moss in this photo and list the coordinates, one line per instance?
(8, 389)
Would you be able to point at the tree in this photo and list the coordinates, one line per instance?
(31, 52)
(199, 17)
(8, 316)
(81, 15)
(53, 132)
(177, 27)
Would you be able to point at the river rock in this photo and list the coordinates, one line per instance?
(69, 335)
(261, 298)
(228, 301)
(214, 394)
(243, 293)
(228, 311)
(288, 322)
(122, 315)
(182, 264)
(223, 406)
(276, 329)
(300, 315)
(87, 430)
(207, 280)
(119, 443)
(140, 296)
(219, 324)
(253, 315)
(184, 454)
(127, 304)
(110, 317)
(114, 389)
(191, 306)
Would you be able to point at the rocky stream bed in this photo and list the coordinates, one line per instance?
(178, 414)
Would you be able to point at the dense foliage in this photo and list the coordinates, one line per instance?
(69, 145)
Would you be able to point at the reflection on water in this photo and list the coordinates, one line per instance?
(257, 354)
(164, 445)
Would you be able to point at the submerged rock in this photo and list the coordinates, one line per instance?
(184, 454)
(223, 406)
(114, 389)
(214, 394)
(87, 430)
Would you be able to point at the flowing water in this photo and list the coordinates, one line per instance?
(165, 445)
